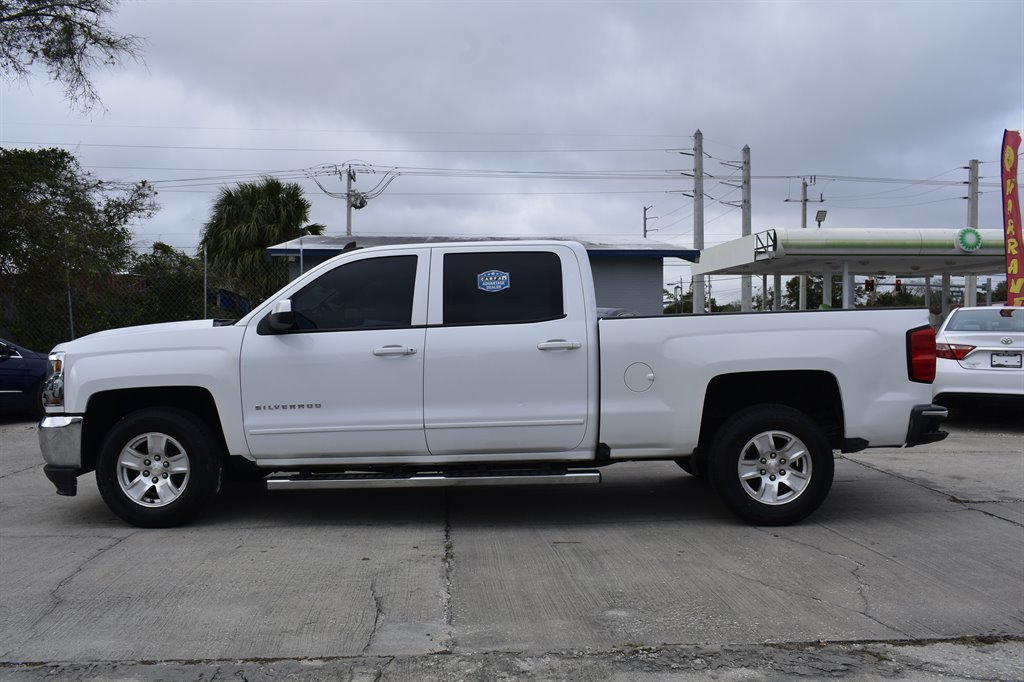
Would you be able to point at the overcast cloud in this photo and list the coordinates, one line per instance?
(886, 90)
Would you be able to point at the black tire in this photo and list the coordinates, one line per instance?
(37, 410)
(159, 468)
(772, 465)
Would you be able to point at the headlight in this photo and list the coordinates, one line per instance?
(53, 390)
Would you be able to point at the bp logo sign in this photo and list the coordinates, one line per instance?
(968, 240)
(493, 280)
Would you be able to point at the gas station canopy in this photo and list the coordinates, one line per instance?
(872, 251)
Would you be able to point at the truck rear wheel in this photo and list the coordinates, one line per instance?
(158, 468)
(772, 465)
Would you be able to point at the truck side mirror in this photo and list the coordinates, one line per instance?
(282, 319)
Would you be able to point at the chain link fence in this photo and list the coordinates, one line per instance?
(39, 311)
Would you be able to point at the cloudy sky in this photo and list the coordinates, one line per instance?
(551, 118)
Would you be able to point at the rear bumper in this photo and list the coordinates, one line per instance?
(953, 378)
(60, 440)
(925, 421)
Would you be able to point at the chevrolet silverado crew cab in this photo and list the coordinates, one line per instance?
(480, 364)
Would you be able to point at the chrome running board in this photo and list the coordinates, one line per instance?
(435, 479)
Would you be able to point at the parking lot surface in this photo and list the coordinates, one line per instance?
(913, 568)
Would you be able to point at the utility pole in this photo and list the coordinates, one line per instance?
(350, 176)
(745, 293)
(698, 216)
(744, 205)
(653, 217)
(803, 225)
(971, 280)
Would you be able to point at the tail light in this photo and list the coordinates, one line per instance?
(921, 354)
(952, 351)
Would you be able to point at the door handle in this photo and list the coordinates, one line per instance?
(394, 350)
(558, 344)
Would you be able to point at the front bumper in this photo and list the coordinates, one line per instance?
(60, 440)
(925, 421)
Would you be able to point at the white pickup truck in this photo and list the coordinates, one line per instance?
(479, 364)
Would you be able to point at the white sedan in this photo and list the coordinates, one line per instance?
(980, 354)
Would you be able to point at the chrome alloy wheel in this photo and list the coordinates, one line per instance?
(153, 470)
(774, 467)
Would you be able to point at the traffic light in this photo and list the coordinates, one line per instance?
(899, 285)
(869, 285)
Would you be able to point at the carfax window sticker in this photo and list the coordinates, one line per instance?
(493, 280)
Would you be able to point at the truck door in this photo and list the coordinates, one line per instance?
(347, 380)
(507, 352)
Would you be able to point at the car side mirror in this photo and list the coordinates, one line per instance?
(282, 319)
(5, 351)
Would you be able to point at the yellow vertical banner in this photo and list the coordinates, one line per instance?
(1011, 219)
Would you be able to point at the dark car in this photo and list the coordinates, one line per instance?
(22, 373)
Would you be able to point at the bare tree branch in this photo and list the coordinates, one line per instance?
(69, 39)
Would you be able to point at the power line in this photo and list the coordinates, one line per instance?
(330, 151)
(833, 197)
(347, 131)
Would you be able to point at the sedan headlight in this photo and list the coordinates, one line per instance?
(53, 390)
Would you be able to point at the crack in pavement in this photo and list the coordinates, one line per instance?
(862, 585)
(947, 495)
(378, 617)
(383, 668)
(449, 568)
(55, 592)
(993, 514)
(950, 659)
(894, 560)
(21, 471)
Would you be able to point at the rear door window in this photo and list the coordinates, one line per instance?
(502, 287)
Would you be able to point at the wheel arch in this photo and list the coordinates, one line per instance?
(815, 393)
(107, 408)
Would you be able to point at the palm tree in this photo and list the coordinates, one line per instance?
(244, 222)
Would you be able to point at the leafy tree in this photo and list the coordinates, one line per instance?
(172, 286)
(243, 223)
(685, 302)
(999, 293)
(68, 38)
(906, 297)
(757, 301)
(64, 239)
(815, 286)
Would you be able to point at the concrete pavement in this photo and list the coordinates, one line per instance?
(913, 567)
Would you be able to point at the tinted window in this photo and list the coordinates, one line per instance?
(499, 287)
(988, 320)
(373, 293)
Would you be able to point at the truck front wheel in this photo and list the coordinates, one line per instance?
(158, 468)
(771, 464)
